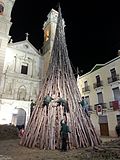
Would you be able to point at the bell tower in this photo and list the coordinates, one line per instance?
(49, 29)
(5, 24)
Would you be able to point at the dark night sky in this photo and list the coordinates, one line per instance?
(92, 28)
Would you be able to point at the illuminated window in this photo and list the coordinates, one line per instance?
(24, 69)
(47, 35)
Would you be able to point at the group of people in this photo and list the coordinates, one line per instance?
(64, 127)
(59, 101)
(64, 131)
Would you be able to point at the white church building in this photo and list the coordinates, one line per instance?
(22, 67)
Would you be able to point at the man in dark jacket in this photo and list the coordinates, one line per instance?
(46, 101)
(32, 105)
(63, 102)
(65, 105)
(84, 105)
(64, 134)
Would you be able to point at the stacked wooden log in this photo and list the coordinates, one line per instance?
(43, 130)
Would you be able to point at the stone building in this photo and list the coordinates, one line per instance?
(101, 87)
(22, 67)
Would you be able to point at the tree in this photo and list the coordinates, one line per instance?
(43, 130)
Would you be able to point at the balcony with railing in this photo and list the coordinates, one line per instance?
(115, 105)
(98, 84)
(101, 104)
(113, 78)
(86, 89)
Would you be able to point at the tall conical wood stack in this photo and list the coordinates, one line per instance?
(43, 130)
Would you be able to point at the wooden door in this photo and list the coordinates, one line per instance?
(104, 129)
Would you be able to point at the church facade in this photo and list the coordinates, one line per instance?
(22, 67)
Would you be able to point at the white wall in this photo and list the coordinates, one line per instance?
(13, 80)
(8, 107)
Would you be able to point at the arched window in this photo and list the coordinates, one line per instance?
(21, 93)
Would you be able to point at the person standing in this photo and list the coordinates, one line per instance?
(63, 102)
(64, 134)
(117, 128)
(84, 105)
(21, 132)
(32, 107)
(65, 105)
